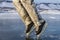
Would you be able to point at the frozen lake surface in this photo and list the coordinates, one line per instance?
(12, 28)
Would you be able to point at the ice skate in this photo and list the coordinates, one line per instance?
(41, 28)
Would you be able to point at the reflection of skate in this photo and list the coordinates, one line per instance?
(41, 28)
(29, 38)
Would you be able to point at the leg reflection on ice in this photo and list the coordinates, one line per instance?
(32, 38)
(29, 38)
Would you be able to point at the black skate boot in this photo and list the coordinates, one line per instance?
(41, 28)
(29, 29)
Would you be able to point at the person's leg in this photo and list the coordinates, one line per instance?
(39, 24)
(31, 12)
(43, 25)
(24, 15)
